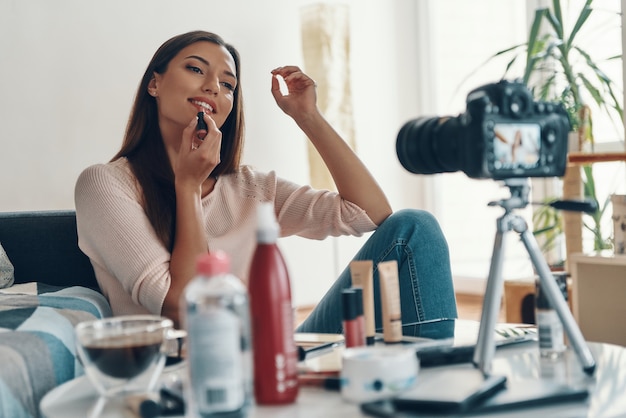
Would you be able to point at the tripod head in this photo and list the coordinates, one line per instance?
(520, 188)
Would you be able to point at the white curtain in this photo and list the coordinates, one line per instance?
(326, 50)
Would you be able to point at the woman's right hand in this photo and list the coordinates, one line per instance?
(196, 158)
(195, 161)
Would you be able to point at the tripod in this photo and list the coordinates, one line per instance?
(485, 345)
(460, 389)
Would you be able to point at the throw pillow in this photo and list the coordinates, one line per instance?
(6, 270)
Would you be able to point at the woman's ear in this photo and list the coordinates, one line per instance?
(152, 87)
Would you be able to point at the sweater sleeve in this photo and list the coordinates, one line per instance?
(115, 233)
(317, 214)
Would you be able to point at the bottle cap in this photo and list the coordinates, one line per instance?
(541, 301)
(267, 227)
(214, 263)
(349, 304)
(359, 299)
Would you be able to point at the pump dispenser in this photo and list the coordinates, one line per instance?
(275, 353)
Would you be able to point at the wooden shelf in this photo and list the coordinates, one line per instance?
(601, 157)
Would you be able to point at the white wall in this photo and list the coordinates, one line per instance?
(457, 65)
(69, 70)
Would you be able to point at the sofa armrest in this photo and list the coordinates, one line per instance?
(37, 341)
(43, 247)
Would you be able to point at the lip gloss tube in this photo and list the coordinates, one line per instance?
(361, 272)
(360, 314)
(351, 326)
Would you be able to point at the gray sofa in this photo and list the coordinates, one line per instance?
(54, 289)
(43, 246)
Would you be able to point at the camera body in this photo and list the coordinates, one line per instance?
(502, 134)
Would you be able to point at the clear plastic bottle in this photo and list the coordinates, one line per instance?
(275, 353)
(549, 326)
(215, 313)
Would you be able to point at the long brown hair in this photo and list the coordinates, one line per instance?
(143, 144)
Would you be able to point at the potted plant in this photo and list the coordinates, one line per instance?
(557, 68)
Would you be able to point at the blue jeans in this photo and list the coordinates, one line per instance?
(414, 239)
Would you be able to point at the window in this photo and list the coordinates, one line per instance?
(462, 36)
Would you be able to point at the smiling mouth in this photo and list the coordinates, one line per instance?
(205, 106)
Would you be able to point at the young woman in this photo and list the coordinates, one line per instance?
(172, 193)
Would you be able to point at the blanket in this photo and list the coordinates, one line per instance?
(37, 348)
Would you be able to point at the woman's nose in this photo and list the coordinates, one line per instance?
(211, 86)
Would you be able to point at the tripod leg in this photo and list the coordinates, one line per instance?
(485, 344)
(548, 284)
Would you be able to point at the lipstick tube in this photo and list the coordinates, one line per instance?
(201, 128)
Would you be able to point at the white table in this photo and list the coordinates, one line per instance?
(607, 389)
(75, 398)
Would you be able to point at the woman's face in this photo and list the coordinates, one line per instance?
(200, 78)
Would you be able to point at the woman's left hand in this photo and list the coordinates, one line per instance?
(301, 96)
(353, 180)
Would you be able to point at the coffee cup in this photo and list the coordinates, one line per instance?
(123, 354)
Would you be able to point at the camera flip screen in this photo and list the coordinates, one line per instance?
(516, 145)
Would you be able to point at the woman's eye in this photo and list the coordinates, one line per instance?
(194, 69)
(228, 86)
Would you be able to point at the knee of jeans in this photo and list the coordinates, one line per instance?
(417, 217)
(415, 221)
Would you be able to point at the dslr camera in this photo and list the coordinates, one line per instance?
(502, 134)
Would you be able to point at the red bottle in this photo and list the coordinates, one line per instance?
(274, 348)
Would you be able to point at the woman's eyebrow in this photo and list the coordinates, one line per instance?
(205, 62)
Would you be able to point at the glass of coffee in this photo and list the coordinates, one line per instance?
(123, 354)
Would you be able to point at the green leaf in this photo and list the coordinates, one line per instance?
(595, 93)
(506, 51)
(582, 18)
(556, 19)
(532, 41)
(608, 87)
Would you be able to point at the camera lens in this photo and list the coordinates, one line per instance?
(430, 145)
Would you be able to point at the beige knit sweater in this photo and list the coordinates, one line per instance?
(131, 264)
